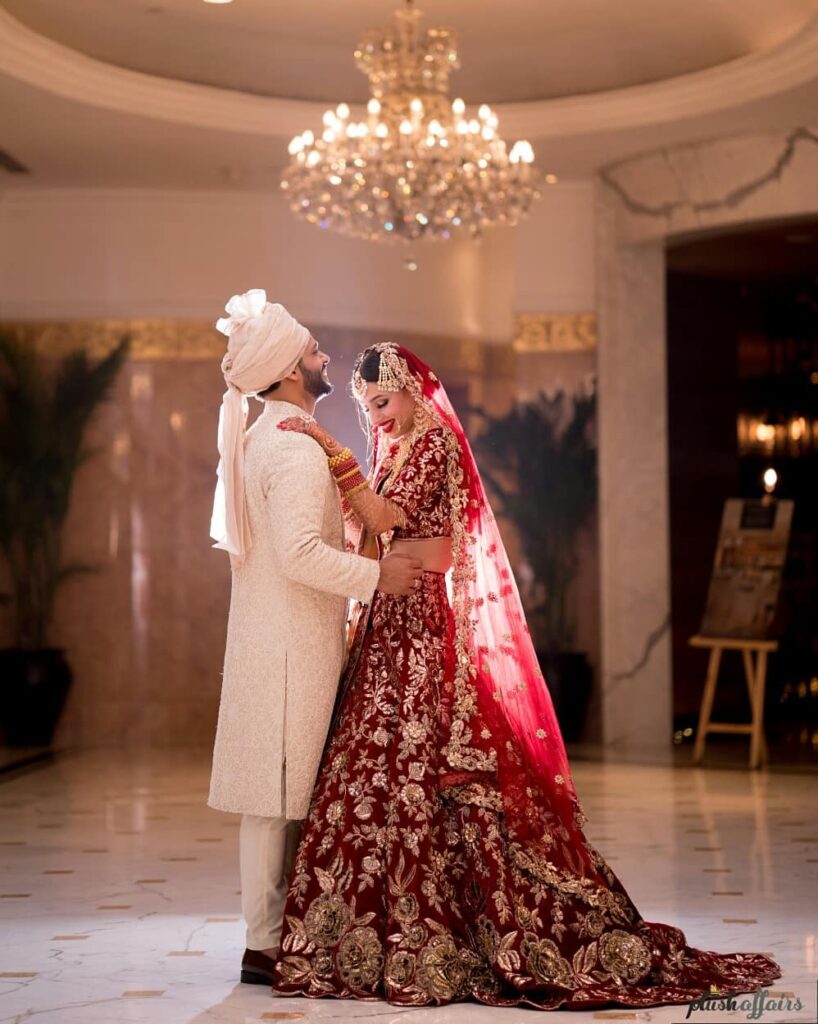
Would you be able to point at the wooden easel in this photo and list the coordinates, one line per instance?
(755, 673)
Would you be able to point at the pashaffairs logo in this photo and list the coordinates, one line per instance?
(755, 1006)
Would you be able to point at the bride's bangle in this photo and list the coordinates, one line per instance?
(342, 456)
(347, 473)
(354, 486)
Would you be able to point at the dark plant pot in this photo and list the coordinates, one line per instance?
(33, 688)
(569, 678)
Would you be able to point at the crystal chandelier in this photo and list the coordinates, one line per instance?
(418, 166)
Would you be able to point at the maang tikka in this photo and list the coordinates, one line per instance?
(390, 372)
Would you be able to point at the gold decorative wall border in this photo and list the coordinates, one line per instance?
(554, 332)
(150, 338)
(180, 339)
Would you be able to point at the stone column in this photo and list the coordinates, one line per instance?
(633, 492)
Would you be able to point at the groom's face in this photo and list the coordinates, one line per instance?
(313, 368)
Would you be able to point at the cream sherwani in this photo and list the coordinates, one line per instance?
(285, 634)
(285, 650)
(286, 630)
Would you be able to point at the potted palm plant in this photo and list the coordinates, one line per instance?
(45, 407)
(539, 463)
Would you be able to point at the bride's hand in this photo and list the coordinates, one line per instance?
(299, 424)
(307, 425)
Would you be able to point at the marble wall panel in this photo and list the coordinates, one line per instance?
(633, 492)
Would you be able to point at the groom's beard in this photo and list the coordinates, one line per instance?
(315, 383)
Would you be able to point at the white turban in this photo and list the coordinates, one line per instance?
(265, 345)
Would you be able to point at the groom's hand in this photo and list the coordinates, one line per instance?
(400, 574)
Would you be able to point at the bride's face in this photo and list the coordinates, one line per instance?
(393, 412)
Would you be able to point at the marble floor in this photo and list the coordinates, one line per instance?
(120, 899)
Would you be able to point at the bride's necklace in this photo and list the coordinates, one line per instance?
(422, 423)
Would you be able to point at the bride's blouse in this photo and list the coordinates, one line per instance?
(420, 488)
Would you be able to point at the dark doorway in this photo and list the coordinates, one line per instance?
(742, 399)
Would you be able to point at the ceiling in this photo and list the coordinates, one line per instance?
(528, 49)
(75, 121)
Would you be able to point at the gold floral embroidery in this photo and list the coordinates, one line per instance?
(406, 909)
(442, 969)
(322, 963)
(591, 924)
(545, 962)
(400, 967)
(487, 938)
(335, 812)
(416, 936)
(624, 955)
(360, 958)
(327, 920)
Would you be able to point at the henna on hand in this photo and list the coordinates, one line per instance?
(305, 425)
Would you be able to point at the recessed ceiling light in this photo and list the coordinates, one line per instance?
(218, 1)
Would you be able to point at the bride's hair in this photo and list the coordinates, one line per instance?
(368, 364)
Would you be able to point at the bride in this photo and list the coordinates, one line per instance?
(443, 857)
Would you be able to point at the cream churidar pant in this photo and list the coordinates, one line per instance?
(267, 848)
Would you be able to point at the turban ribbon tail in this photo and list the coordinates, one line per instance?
(229, 525)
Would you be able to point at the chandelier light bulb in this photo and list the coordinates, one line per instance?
(426, 170)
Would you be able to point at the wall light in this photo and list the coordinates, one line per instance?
(765, 432)
(770, 480)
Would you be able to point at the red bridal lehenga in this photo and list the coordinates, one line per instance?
(443, 857)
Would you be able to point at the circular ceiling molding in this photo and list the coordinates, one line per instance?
(528, 50)
(49, 65)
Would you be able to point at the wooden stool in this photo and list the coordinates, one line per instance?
(755, 673)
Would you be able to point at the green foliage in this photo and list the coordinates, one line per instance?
(45, 407)
(539, 464)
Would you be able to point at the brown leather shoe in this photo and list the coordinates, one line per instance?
(257, 968)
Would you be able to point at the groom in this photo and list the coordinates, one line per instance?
(278, 514)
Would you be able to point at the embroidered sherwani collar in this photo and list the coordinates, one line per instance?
(281, 410)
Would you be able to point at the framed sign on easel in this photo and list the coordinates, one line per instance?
(741, 607)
